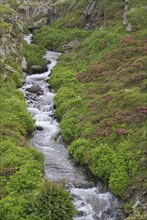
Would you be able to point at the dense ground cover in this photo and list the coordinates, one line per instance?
(23, 192)
(101, 99)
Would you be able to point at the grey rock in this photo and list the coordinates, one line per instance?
(137, 203)
(118, 214)
(90, 7)
(129, 27)
(35, 89)
(2, 54)
(9, 68)
(24, 65)
(38, 69)
(23, 9)
(71, 45)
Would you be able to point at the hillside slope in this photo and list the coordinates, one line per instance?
(101, 90)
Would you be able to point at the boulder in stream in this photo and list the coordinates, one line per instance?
(38, 69)
(39, 128)
(35, 89)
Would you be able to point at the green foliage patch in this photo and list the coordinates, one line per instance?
(54, 38)
(52, 202)
(33, 54)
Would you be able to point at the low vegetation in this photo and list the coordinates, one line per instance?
(33, 54)
(101, 99)
(53, 38)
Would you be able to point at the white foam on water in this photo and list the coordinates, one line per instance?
(91, 203)
(43, 117)
(37, 77)
(28, 38)
(33, 111)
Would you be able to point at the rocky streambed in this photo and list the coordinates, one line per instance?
(93, 201)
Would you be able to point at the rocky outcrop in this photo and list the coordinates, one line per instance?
(10, 36)
(92, 13)
(70, 46)
(24, 65)
(125, 19)
(36, 14)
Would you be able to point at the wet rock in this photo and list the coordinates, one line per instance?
(103, 188)
(80, 213)
(37, 69)
(23, 78)
(118, 214)
(35, 89)
(48, 62)
(83, 184)
(90, 7)
(39, 128)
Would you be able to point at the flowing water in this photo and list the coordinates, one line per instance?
(92, 201)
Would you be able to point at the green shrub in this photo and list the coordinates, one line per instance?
(68, 129)
(33, 54)
(53, 202)
(12, 207)
(54, 38)
(58, 79)
(80, 149)
(14, 109)
(137, 16)
(119, 181)
(102, 161)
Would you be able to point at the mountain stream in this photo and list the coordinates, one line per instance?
(93, 201)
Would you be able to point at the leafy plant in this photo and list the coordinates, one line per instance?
(53, 202)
